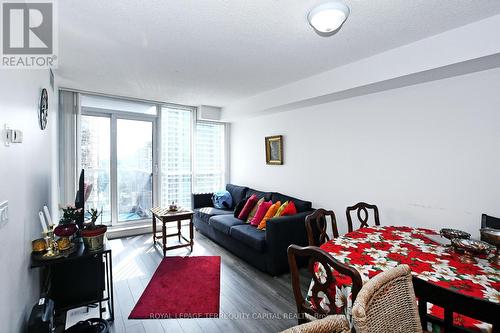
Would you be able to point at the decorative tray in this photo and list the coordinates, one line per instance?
(454, 233)
(61, 254)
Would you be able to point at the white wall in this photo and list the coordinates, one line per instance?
(25, 176)
(427, 155)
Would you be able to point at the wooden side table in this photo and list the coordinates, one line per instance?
(166, 216)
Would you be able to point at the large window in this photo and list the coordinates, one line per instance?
(176, 166)
(209, 158)
(95, 142)
(137, 155)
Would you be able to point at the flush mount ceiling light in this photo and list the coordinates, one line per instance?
(328, 17)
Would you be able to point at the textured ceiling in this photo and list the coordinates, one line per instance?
(215, 52)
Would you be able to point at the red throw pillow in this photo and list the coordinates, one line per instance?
(261, 212)
(248, 207)
(290, 209)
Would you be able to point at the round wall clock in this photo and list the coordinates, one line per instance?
(44, 109)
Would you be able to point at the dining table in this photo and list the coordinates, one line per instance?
(372, 250)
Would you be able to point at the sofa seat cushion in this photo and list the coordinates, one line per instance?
(206, 213)
(223, 223)
(301, 205)
(250, 236)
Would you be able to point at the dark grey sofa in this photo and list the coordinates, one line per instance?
(264, 249)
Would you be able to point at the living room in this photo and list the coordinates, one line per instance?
(184, 166)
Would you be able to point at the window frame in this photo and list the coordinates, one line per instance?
(156, 120)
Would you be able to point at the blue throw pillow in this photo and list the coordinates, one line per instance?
(222, 200)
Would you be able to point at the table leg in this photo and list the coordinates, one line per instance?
(191, 233)
(154, 229)
(164, 236)
(179, 230)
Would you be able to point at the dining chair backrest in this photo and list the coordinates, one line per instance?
(317, 224)
(321, 282)
(361, 209)
(488, 221)
(387, 304)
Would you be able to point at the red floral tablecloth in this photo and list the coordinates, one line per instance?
(375, 249)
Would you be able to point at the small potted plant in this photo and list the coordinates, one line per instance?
(92, 234)
(70, 214)
(67, 224)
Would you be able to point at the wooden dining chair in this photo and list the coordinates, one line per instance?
(361, 208)
(387, 304)
(488, 221)
(316, 226)
(305, 310)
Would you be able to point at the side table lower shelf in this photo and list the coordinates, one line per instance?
(82, 279)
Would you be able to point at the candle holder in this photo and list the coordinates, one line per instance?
(52, 247)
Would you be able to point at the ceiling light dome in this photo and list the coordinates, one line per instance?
(328, 17)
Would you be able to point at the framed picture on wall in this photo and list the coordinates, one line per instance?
(274, 150)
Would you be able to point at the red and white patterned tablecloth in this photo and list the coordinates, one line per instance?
(375, 249)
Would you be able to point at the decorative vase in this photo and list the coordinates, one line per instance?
(94, 238)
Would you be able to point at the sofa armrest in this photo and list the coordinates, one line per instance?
(283, 231)
(201, 200)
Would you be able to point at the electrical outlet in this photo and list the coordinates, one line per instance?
(4, 213)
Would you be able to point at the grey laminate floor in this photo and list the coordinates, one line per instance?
(251, 301)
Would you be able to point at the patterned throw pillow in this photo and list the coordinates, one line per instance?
(281, 209)
(290, 209)
(254, 210)
(248, 207)
(270, 214)
(261, 212)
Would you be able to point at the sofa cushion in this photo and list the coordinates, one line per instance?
(261, 212)
(250, 236)
(259, 194)
(238, 193)
(206, 213)
(290, 209)
(247, 208)
(301, 205)
(224, 222)
(269, 215)
(254, 210)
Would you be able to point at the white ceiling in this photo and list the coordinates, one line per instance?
(215, 52)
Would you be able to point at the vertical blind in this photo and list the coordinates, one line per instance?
(179, 179)
(176, 174)
(209, 157)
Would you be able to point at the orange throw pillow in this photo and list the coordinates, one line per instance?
(270, 214)
(290, 209)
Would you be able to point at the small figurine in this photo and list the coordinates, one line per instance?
(172, 207)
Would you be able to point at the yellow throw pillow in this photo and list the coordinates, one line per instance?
(270, 214)
(281, 209)
(254, 210)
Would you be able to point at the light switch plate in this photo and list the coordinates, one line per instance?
(4, 213)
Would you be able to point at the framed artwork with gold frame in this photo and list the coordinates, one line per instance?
(274, 150)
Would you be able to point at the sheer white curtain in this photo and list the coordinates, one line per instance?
(68, 134)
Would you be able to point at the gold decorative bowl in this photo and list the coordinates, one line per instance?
(63, 243)
(39, 245)
(470, 247)
(492, 236)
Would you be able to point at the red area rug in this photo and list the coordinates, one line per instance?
(181, 287)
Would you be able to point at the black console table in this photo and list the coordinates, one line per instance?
(82, 278)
